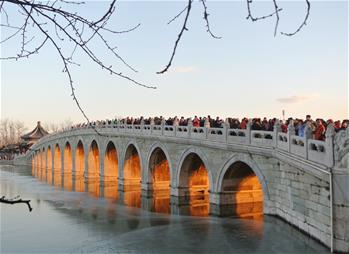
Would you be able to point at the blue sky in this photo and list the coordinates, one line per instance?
(248, 72)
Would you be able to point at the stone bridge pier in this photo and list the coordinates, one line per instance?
(208, 170)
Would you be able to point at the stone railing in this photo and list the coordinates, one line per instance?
(320, 152)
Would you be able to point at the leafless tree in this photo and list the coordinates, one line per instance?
(54, 22)
(54, 127)
(11, 131)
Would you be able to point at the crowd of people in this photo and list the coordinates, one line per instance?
(318, 127)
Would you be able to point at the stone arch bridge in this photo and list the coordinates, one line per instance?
(303, 181)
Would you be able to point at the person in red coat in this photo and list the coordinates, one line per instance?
(319, 133)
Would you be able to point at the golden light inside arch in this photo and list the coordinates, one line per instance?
(160, 177)
(132, 196)
(79, 168)
(111, 171)
(132, 167)
(160, 170)
(93, 161)
(245, 191)
(132, 177)
(111, 165)
(44, 165)
(57, 167)
(49, 165)
(68, 167)
(93, 170)
(194, 175)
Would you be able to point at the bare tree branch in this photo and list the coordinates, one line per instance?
(184, 28)
(16, 200)
(303, 23)
(69, 28)
(206, 20)
(277, 17)
(178, 15)
(59, 26)
(254, 19)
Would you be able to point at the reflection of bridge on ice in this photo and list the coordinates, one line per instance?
(304, 181)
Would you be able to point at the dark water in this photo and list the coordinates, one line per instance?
(78, 222)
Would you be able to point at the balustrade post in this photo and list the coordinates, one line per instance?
(330, 133)
(163, 123)
(290, 131)
(226, 127)
(248, 129)
(142, 125)
(207, 126)
(117, 123)
(308, 134)
(152, 123)
(189, 125)
(277, 129)
(175, 124)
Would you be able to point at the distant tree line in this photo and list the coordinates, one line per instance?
(11, 131)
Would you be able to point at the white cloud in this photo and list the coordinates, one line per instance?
(296, 98)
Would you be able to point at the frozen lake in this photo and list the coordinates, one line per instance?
(79, 222)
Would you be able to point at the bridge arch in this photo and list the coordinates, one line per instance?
(43, 164)
(67, 158)
(79, 160)
(67, 166)
(132, 168)
(49, 164)
(111, 162)
(184, 166)
(57, 165)
(241, 187)
(251, 164)
(93, 168)
(159, 170)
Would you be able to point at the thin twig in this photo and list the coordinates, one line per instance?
(184, 28)
(303, 23)
(206, 14)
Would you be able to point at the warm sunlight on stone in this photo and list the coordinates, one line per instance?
(110, 190)
(132, 198)
(57, 168)
(68, 160)
(132, 167)
(160, 170)
(93, 187)
(242, 191)
(93, 162)
(79, 184)
(49, 165)
(111, 164)
(79, 161)
(194, 175)
(199, 205)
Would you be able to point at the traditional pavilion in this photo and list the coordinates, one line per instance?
(33, 136)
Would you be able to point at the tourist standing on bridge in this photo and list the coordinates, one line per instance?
(319, 133)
